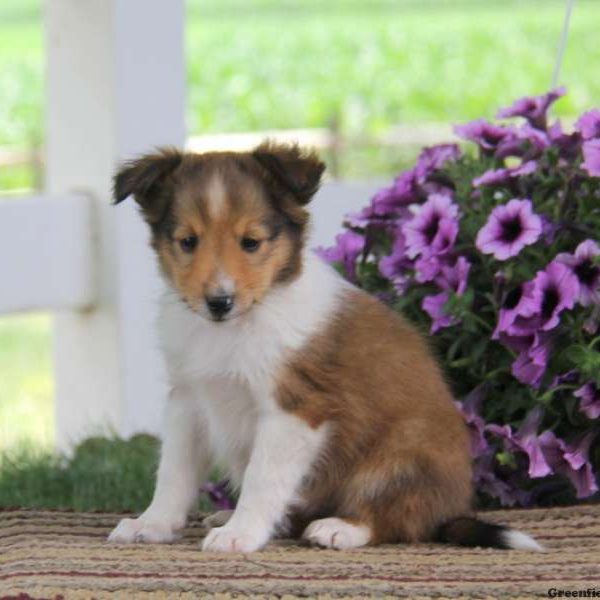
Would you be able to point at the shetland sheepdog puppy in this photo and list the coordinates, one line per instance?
(327, 410)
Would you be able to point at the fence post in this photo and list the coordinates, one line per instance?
(115, 88)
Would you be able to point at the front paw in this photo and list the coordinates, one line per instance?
(141, 530)
(227, 539)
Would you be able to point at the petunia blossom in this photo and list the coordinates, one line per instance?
(571, 376)
(554, 289)
(568, 144)
(532, 362)
(451, 279)
(526, 440)
(571, 460)
(435, 307)
(526, 143)
(433, 158)
(486, 135)
(501, 176)
(589, 396)
(520, 301)
(509, 229)
(591, 156)
(348, 247)
(402, 192)
(470, 409)
(433, 229)
(550, 230)
(427, 267)
(219, 494)
(454, 277)
(486, 480)
(532, 108)
(585, 265)
(395, 266)
(589, 124)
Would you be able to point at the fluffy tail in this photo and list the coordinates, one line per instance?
(469, 531)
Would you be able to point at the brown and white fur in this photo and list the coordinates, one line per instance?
(326, 408)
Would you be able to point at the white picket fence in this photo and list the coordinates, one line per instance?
(115, 88)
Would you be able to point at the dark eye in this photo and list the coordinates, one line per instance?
(189, 243)
(250, 244)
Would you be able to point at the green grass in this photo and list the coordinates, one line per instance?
(103, 474)
(381, 63)
(271, 64)
(26, 387)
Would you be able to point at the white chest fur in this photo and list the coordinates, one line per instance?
(230, 367)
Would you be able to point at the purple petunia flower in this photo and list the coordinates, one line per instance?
(531, 364)
(219, 494)
(555, 289)
(527, 143)
(533, 108)
(348, 247)
(470, 409)
(591, 155)
(450, 279)
(589, 124)
(526, 440)
(571, 376)
(549, 230)
(536, 309)
(518, 302)
(454, 278)
(395, 265)
(433, 229)
(433, 158)
(571, 460)
(509, 229)
(568, 144)
(589, 394)
(427, 267)
(401, 193)
(486, 135)
(501, 176)
(587, 270)
(434, 306)
(487, 481)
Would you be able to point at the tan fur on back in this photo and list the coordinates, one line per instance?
(398, 456)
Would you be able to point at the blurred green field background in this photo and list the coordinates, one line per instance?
(263, 64)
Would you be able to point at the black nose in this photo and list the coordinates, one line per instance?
(219, 306)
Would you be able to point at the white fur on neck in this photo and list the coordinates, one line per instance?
(251, 347)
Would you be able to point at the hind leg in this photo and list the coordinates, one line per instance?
(337, 533)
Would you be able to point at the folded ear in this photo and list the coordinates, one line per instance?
(297, 171)
(147, 178)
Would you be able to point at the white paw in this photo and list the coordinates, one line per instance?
(217, 519)
(337, 533)
(141, 530)
(226, 539)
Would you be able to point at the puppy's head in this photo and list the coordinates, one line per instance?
(226, 227)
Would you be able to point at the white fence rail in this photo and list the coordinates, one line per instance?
(46, 247)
